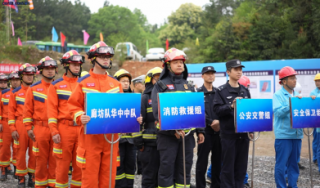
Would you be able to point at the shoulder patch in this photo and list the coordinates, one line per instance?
(17, 89)
(37, 83)
(57, 81)
(5, 91)
(83, 78)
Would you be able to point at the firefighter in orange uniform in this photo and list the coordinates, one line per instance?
(64, 130)
(19, 133)
(93, 153)
(5, 134)
(35, 120)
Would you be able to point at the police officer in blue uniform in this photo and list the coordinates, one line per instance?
(234, 146)
(212, 142)
(174, 79)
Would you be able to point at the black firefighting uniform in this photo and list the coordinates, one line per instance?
(211, 143)
(234, 146)
(149, 157)
(170, 148)
(126, 170)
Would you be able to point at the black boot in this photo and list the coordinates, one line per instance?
(31, 180)
(21, 182)
(14, 172)
(70, 169)
(3, 176)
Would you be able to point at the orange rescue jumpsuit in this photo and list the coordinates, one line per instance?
(16, 103)
(93, 153)
(5, 136)
(35, 114)
(61, 122)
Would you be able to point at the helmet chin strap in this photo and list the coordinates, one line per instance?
(50, 78)
(27, 82)
(73, 74)
(3, 88)
(104, 67)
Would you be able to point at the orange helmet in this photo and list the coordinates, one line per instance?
(174, 54)
(100, 48)
(47, 62)
(286, 72)
(245, 81)
(72, 57)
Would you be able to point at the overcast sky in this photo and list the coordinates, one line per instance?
(156, 11)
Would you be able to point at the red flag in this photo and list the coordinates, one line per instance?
(63, 38)
(8, 3)
(167, 44)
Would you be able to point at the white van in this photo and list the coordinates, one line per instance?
(131, 51)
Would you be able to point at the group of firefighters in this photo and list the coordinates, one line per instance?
(47, 119)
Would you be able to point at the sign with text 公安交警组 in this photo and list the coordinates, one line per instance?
(253, 115)
(181, 110)
(112, 113)
(305, 112)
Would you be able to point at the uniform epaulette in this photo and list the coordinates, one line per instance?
(83, 78)
(221, 87)
(5, 91)
(37, 83)
(17, 89)
(113, 77)
(57, 81)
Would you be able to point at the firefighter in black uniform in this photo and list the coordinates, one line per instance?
(126, 170)
(234, 146)
(212, 142)
(146, 141)
(174, 79)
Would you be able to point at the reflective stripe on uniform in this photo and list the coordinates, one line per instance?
(27, 120)
(149, 136)
(149, 110)
(57, 151)
(130, 176)
(52, 120)
(121, 176)
(76, 183)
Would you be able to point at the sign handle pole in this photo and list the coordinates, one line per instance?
(184, 157)
(111, 154)
(309, 134)
(253, 148)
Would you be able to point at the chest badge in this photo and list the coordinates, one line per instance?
(171, 87)
(229, 97)
(111, 84)
(39, 89)
(63, 86)
(150, 101)
(185, 86)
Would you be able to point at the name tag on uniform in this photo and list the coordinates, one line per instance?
(63, 86)
(171, 87)
(150, 101)
(90, 84)
(39, 89)
(20, 94)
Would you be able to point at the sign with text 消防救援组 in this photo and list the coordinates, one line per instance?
(112, 113)
(305, 112)
(253, 115)
(181, 110)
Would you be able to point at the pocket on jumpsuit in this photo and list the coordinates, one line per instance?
(81, 158)
(16, 144)
(35, 149)
(57, 150)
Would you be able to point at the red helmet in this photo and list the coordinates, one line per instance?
(27, 69)
(100, 48)
(286, 72)
(14, 75)
(72, 57)
(245, 81)
(174, 54)
(47, 62)
(3, 77)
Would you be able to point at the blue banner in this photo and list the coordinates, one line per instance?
(305, 112)
(181, 110)
(253, 115)
(112, 113)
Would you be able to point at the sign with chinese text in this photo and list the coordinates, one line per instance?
(305, 112)
(112, 113)
(253, 115)
(181, 110)
(9, 68)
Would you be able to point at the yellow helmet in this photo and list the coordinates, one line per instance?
(151, 73)
(83, 73)
(317, 77)
(121, 73)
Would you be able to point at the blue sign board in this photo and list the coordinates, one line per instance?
(253, 115)
(112, 113)
(305, 112)
(181, 110)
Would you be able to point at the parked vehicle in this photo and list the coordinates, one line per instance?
(129, 50)
(155, 54)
